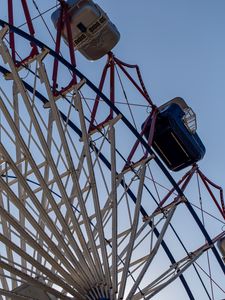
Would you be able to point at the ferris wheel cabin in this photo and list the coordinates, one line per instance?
(175, 139)
(221, 246)
(93, 34)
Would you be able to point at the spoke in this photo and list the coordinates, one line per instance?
(34, 263)
(173, 273)
(72, 170)
(152, 254)
(113, 197)
(99, 223)
(27, 237)
(132, 235)
(43, 184)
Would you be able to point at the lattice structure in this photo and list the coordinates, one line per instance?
(84, 216)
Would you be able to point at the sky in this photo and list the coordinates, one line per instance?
(179, 46)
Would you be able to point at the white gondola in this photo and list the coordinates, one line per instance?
(221, 246)
(93, 34)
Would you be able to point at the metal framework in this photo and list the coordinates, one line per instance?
(74, 222)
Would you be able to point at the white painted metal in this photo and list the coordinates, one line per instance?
(65, 217)
(221, 245)
(69, 161)
(113, 197)
(152, 254)
(174, 271)
(93, 184)
(133, 235)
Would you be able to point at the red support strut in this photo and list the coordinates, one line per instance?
(34, 50)
(207, 182)
(64, 19)
(111, 66)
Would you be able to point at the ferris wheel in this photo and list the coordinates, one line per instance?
(96, 201)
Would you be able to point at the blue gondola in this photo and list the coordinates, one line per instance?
(175, 138)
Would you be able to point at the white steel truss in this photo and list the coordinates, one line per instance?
(71, 217)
